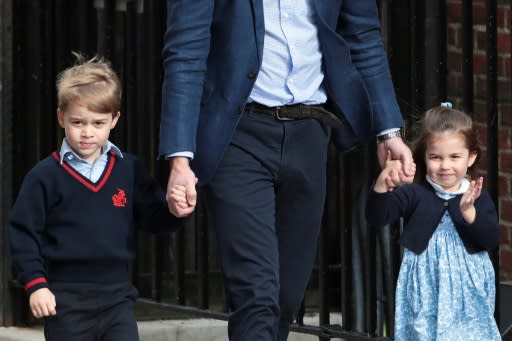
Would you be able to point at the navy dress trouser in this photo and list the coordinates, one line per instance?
(266, 202)
(92, 312)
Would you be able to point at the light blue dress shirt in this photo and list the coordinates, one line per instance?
(91, 171)
(291, 70)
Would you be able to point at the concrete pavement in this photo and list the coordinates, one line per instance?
(164, 330)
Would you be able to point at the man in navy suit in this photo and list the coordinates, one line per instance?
(253, 92)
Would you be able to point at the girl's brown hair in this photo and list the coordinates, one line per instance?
(437, 121)
(91, 83)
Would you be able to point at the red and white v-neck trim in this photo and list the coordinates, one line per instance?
(95, 187)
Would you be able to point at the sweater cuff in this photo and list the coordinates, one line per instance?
(35, 284)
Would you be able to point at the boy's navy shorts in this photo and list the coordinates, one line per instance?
(92, 312)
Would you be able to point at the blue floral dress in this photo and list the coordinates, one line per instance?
(445, 293)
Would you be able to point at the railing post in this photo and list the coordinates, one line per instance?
(467, 56)
(491, 7)
(434, 52)
(6, 162)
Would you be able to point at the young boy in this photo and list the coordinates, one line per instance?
(71, 230)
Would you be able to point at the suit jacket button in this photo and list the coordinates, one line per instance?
(251, 74)
(446, 203)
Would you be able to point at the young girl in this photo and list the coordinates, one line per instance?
(445, 288)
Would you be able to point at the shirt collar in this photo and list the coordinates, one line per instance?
(66, 149)
(464, 185)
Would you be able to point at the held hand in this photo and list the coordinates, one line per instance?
(398, 151)
(467, 202)
(395, 175)
(42, 303)
(181, 188)
(392, 176)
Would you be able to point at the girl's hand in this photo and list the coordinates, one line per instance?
(467, 202)
(396, 149)
(393, 176)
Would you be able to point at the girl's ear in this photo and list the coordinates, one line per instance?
(472, 158)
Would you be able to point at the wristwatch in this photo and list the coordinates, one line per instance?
(387, 136)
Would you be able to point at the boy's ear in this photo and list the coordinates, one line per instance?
(115, 118)
(60, 117)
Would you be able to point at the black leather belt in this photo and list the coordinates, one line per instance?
(298, 112)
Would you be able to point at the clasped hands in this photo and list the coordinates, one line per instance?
(181, 188)
(398, 167)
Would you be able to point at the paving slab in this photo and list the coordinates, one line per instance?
(163, 330)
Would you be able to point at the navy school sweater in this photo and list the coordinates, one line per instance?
(63, 227)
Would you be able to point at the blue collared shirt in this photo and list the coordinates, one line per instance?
(91, 171)
(291, 70)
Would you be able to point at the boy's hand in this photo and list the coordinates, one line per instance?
(467, 202)
(178, 194)
(42, 303)
(181, 179)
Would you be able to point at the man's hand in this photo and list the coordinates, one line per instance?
(42, 303)
(397, 150)
(181, 187)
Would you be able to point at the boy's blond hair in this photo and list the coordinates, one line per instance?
(91, 83)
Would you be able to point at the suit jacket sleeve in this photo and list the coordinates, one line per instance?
(360, 28)
(186, 47)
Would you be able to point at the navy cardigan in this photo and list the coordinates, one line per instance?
(422, 210)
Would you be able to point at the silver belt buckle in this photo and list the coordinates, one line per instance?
(279, 116)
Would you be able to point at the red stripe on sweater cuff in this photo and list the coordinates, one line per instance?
(34, 282)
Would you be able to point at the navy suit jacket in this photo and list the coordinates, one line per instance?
(212, 54)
